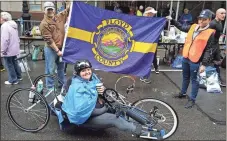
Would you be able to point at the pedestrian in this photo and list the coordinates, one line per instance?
(52, 29)
(10, 48)
(139, 12)
(185, 18)
(217, 25)
(196, 53)
(150, 12)
(117, 8)
(131, 11)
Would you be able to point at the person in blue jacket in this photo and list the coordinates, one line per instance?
(186, 18)
(82, 106)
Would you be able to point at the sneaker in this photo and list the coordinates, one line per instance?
(190, 104)
(2, 70)
(20, 79)
(8, 83)
(65, 73)
(180, 95)
(157, 71)
(145, 80)
(151, 134)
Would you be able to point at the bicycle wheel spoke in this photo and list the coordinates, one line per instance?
(15, 106)
(164, 124)
(17, 110)
(39, 116)
(37, 121)
(39, 111)
(18, 101)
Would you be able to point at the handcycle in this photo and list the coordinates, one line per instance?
(153, 114)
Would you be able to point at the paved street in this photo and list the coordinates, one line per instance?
(193, 123)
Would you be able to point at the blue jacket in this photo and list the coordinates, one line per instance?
(185, 19)
(81, 99)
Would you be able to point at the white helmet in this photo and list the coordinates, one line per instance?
(49, 5)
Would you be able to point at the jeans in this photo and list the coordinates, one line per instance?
(51, 61)
(190, 71)
(13, 69)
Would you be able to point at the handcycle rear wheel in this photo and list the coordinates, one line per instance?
(143, 104)
(20, 112)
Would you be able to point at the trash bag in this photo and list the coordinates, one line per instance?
(202, 80)
(212, 80)
(177, 63)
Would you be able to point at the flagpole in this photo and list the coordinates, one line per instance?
(178, 4)
(66, 32)
(170, 13)
(156, 7)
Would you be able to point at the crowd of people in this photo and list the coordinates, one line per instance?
(201, 49)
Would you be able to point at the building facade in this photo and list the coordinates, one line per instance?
(36, 7)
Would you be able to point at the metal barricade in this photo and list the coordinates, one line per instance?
(26, 25)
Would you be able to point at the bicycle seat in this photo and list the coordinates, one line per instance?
(23, 56)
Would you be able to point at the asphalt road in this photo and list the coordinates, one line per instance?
(193, 125)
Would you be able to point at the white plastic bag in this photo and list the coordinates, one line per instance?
(202, 80)
(212, 81)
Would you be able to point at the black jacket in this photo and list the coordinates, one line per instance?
(207, 56)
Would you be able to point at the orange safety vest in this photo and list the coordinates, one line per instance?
(193, 49)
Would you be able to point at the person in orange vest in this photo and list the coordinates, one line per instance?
(197, 53)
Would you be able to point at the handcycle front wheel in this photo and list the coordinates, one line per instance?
(160, 111)
(29, 116)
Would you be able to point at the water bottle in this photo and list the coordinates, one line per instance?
(40, 86)
(31, 96)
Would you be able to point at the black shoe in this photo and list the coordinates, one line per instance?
(190, 104)
(180, 95)
(157, 71)
(222, 83)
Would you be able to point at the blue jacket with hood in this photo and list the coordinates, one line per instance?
(80, 99)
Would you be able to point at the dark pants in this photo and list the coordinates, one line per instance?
(217, 57)
(65, 67)
(218, 70)
(100, 119)
(190, 71)
(155, 60)
(13, 69)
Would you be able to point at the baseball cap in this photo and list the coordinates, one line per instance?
(150, 10)
(49, 5)
(206, 14)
